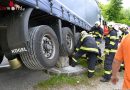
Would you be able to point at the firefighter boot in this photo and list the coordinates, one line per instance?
(106, 78)
(90, 74)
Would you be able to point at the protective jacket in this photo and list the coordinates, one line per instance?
(87, 43)
(112, 40)
(97, 32)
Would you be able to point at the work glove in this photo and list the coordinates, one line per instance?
(72, 62)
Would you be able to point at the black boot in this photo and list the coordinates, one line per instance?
(104, 79)
(90, 74)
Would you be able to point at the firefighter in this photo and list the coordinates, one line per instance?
(87, 45)
(124, 29)
(111, 44)
(97, 32)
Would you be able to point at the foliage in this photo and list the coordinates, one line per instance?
(114, 11)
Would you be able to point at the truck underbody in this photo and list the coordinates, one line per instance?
(38, 35)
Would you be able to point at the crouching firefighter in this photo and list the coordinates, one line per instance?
(111, 44)
(86, 45)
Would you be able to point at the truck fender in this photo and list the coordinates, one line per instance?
(17, 32)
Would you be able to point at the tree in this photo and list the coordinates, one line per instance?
(125, 16)
(113, 10)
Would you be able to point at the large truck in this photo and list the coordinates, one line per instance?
(41, 31)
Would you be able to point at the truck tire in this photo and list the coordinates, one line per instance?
(76, 38)
(68, 40)
(43, 48)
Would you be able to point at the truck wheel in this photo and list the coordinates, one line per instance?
(76, 37)
(43, 48)
(68, 40)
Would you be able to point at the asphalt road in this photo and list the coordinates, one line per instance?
(21, 79)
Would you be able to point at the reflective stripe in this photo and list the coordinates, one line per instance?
(99, 57)
(91, 32)
(112, 43)
(77, 49)
(90, 70)
(106, 50)
(108, 36)
(122, 65)
(112, 50)
(74, 59)
(83, 38)
(113, 37)
(94, 35)
(108, 72)
(98, 34)
(89, 49)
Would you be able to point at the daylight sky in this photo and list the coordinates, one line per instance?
(126, 3)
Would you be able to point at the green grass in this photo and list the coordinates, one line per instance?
(61, 80)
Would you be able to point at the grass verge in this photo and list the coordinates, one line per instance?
(63, 80)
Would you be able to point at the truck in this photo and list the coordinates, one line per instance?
(41, 31)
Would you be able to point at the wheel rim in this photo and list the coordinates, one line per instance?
(69, 41)
(48, 46)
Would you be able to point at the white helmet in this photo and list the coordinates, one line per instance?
(123, 27)
(126, 27)
(84, 33)
(110, 24)
(97, 23)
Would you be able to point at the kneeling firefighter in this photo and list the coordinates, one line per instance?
(87, 45)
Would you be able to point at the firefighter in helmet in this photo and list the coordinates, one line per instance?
(111, 44)
(87, 45)
(97, 32)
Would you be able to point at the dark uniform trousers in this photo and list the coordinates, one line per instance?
(111, 43)
(92, 59)
(108, 65)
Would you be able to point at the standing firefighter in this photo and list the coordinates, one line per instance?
(97, 32)
(124, 29)
(87, 45)
(111, 43)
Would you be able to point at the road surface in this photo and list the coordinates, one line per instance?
(21, 79)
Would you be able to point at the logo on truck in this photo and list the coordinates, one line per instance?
(19, 50)
(10, 6)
